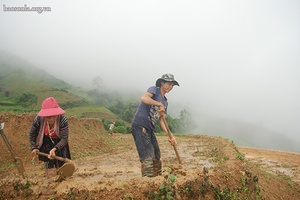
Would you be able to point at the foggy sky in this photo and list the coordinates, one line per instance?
(233, 59)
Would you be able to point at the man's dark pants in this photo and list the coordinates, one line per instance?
(148, 150)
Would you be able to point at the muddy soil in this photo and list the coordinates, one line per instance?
(212, 168)
(287, 163)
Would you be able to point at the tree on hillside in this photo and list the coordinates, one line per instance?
(7, 93)
(124, 110)
(186, 123)
(27, 99)
(118, 107)
(98, 82)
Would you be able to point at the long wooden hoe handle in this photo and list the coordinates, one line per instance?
(170, 136)
(18, 161)
(55, 157)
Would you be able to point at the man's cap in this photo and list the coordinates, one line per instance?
(167, 78)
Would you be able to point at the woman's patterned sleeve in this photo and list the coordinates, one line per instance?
(63, 132)
(33, 133)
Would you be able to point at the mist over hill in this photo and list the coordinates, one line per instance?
(240, 132)
(11, 64)
(246, 134)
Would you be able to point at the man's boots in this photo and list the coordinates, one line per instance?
(147, 168)
(157, 168)
(151, 168)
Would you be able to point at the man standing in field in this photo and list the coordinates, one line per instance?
(153, 107)
(111, 128)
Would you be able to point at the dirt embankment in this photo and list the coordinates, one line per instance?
(107, 167)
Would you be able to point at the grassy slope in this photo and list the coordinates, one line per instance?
(91, 112)
(18, 77)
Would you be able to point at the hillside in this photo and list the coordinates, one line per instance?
(107, 167)
(19, 78)
(23, 87)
